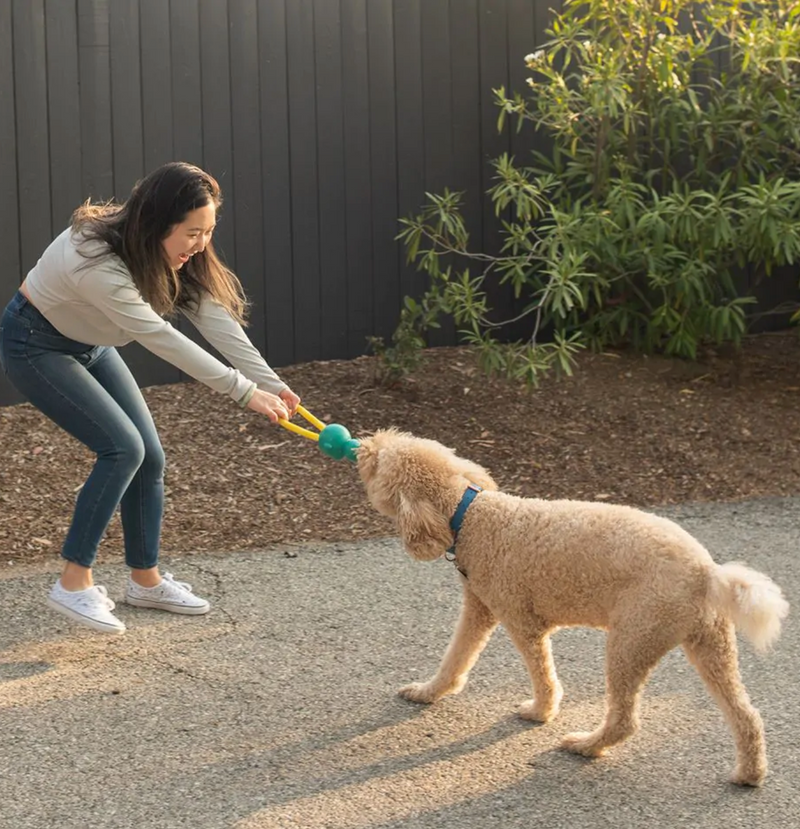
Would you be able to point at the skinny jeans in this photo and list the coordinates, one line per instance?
(90, 393)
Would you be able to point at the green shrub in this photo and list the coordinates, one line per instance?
(675, 135)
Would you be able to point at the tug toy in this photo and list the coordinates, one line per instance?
(334, 440)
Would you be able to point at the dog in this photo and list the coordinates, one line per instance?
(538, 565)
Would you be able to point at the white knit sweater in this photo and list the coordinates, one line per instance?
(95, 301)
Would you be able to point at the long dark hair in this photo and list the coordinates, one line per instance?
(135, 229)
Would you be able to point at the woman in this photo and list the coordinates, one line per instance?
(109, 279)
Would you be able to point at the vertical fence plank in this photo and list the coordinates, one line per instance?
(383, 154)
(355, 74)
(216, 131)
(521, 41)
(11, 272)
(128, 144)
(410, 130)
(187, 99)
(246, 130)
(466, 91)
(126, 95)
(95, 99)
(494, 74)
(542, 21)
(156, 117)
(543, 15)
(437, 108)
(154, 27)
(437, 98)
(63, 106)
(304, 171)
(466, 112)
(331, 182)
(276, 183)
(187, 104)
(466, 86)
(33, 150)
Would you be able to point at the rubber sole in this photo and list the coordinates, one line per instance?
(95, 624)
(183, 610)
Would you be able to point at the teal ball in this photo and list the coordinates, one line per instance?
(333, 441)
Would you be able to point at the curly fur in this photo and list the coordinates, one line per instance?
(536, 565)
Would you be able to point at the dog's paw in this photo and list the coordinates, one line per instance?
(749, 776)
(583, 743)
(419, 692)
(536, 712)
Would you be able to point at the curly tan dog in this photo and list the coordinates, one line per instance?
(536, 565)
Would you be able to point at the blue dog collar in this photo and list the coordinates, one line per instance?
(457, 520)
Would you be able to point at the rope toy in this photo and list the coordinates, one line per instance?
(334, 440)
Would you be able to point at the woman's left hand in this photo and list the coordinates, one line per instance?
(291, 400)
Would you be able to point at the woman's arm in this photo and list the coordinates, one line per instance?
(114, 294)
(214, 322)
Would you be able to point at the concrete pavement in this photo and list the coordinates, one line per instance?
(279, 709)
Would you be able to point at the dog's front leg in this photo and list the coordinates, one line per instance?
(475, 625)
(534, 645)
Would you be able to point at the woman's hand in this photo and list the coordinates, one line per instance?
(268, 404)
(291, 400)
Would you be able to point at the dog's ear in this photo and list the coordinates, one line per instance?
(425, 533)
(476, 474)
(480, 476)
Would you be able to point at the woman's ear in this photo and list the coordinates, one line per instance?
(425, 533)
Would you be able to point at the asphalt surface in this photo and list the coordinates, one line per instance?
(279, 709)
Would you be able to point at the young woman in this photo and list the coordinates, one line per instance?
(109, 279)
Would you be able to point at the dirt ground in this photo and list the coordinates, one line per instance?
(645, 431)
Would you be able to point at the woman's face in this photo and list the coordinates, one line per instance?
(190, 236)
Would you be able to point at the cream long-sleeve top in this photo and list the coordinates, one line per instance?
(95, 301)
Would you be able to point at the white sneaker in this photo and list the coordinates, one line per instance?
(90, 607)
(173, 596)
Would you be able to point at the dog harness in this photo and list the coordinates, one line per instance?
(458, 519)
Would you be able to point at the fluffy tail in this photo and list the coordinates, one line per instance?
(751, 600)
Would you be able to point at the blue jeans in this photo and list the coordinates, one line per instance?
(90, 393)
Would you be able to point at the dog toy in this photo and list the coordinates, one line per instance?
(334, 440)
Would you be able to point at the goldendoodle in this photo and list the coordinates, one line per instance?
(536, 566)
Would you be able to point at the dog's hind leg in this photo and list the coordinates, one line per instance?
(632, 651)
(714, 655)
(475, 626)
(534, 645)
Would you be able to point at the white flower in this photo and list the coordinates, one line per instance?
(534, 57)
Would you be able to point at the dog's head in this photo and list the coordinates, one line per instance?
(418, 483)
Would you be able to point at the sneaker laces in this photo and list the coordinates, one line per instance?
(182, 585)
(94, 596)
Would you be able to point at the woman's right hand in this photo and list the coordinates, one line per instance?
(268, 404)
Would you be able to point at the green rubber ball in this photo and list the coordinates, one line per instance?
(333, 439)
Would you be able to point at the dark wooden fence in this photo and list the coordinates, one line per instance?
(323, 120)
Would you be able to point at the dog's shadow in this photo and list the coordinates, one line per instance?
(402, 737)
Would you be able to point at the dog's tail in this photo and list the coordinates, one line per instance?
(751, 600)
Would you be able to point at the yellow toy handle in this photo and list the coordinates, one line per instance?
(314, 421)
(333, 439)
(299, 430)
